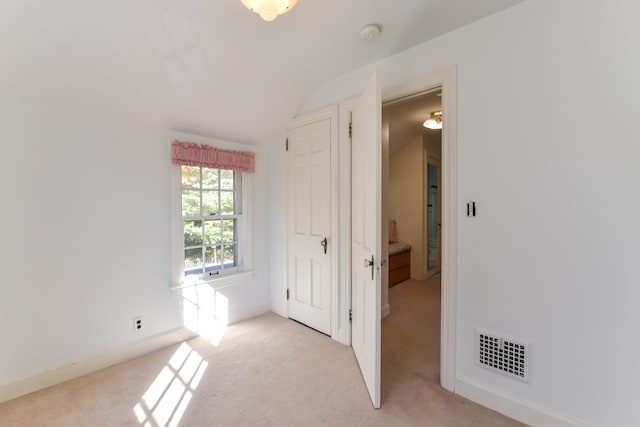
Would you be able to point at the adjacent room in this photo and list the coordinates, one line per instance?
(411, 334)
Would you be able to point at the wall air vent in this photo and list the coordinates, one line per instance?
(504, 355)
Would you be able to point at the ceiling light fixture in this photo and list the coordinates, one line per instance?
(435, 121)
(269, 9)
(370, 32)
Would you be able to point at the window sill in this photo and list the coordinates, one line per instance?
(217, 283)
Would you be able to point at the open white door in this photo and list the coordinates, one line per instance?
(366, 182)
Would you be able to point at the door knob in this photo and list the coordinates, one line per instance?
(324, 243)
(369, 263)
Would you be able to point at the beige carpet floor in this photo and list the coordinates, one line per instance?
(268, 371)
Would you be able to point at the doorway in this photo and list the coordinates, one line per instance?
(445, 79)
(411, 334)
(341, 301)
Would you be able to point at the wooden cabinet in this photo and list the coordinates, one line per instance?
(399, 267)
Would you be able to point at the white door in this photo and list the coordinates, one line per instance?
(366, 179)
(309, 224)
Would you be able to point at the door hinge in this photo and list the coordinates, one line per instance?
(287, 144)
(350, 130)
(350, 315)
(287, 294)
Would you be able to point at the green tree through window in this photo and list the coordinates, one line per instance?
(211, 207)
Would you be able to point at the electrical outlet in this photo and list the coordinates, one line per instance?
(138, 324)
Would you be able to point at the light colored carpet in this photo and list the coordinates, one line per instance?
(268, 371)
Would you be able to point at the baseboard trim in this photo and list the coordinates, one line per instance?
(386, 310)
(525, 412)
(249, 312)
(57, 374)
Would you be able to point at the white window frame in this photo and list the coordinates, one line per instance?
(238, 274)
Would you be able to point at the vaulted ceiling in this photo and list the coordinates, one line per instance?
(206, 67)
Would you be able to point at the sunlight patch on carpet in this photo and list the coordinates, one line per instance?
(166, 400)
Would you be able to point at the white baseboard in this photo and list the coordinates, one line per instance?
(280, 311)
(68, 371)
(247, 313)
(386, 310)
(57, 374)
(525, 412)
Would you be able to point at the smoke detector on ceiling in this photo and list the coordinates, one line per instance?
(370, 32)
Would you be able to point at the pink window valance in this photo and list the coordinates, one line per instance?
(192, 154)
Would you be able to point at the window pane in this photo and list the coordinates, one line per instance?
(210, 203)
(190, 177)
(226, 178)
(190, 203)
(210, 178)
(226, 200)
(212, 232)
(230, 256)
(211, 245)
(192, 233)
(192, 261)
(212, 258)
(229, 231)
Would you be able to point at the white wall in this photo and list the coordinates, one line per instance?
(277, 252)
(85, 236)
(405, 200)
(547, 147)
(433, 143)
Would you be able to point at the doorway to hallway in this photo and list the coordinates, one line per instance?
(411, 334)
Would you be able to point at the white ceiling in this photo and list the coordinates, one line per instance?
(206, 67)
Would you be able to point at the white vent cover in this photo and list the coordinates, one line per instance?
(503, 355)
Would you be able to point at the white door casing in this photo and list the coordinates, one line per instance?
(446, 79)
(366, 161)
(309, 224)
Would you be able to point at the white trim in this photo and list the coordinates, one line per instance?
(68, 371)
(336, 325)
(386, 310)
(526, 412)
(344, 195)
(245, 234)
(317, 116)
(447, 80)
(177, 264)
(284, 208)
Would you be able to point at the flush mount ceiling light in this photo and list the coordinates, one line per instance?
(269, 9)
(435, 121)
(370, 32)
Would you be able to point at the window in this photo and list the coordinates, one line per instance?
(211, 210)
(212, 189)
